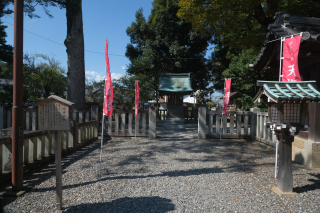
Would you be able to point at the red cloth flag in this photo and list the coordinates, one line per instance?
(226, 95)
(136, 107)
(290, 69)
(108, 94)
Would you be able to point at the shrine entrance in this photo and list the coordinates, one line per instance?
(175, 86)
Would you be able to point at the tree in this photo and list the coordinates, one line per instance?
(125, 86)
(95, 91)
(244, 79)
(167, 44)
(6, 51)
(241, 23)
(43, 78)
(74, 44)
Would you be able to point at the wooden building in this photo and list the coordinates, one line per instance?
(306, 145)
(175, 86)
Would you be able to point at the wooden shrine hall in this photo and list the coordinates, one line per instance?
(306, 144)
(175, 86)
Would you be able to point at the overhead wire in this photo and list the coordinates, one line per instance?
(90, 50)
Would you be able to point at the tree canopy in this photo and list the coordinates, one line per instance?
(167, 44)
(241, 23)
(74, 43)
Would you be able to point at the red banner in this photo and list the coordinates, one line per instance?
(226, 95)
(136, 107)
(290, 69)
(108, 95)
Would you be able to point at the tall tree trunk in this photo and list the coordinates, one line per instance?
(75, 50)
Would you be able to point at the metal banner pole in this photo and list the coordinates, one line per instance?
(105, 79)
(282, 39)
(275, 169)
(101, 141)
(58, 170)
(224, 87)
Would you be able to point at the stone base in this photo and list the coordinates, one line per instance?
(283, 194)
(306, 152)
(10, 193)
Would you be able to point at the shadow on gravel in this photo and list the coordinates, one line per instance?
(44, 172)
(310, 187)
(177, 173)
(127, 204)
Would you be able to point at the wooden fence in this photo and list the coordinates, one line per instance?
(38, 146)
(235, 124)
(123, 123)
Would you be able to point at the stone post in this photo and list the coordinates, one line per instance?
(314, 117)
(95, 116)
(202, 122)
(34, 119)
(3, 117)
(152, 122)
(253, 125)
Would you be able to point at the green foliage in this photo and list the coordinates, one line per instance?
(167, 44)
(43, 78)
(95, 91)
(30, 5)
(244, 78)
(241, 23)
(123, 90)
(125, 87)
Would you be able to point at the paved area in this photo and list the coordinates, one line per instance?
(174, 173)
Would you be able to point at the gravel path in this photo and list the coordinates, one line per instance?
(177, 173)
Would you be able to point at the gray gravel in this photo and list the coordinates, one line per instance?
(177, 173)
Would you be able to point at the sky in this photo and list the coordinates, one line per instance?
(101, 20)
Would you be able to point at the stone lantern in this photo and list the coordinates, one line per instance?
(286, 109)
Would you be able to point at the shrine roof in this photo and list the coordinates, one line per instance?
(57, 98)
(286, 25)
(274, 91)
(175, 83)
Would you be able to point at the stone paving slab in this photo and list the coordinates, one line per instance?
(174, 173)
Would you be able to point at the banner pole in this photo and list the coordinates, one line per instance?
(101, 142)
(103, 115)
(281, 40)
(275, 169)
(224, 88)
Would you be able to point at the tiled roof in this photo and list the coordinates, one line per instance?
(276, 91)
(56, 98)
(175, 83)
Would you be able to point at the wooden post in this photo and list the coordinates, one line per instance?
(58, 170)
